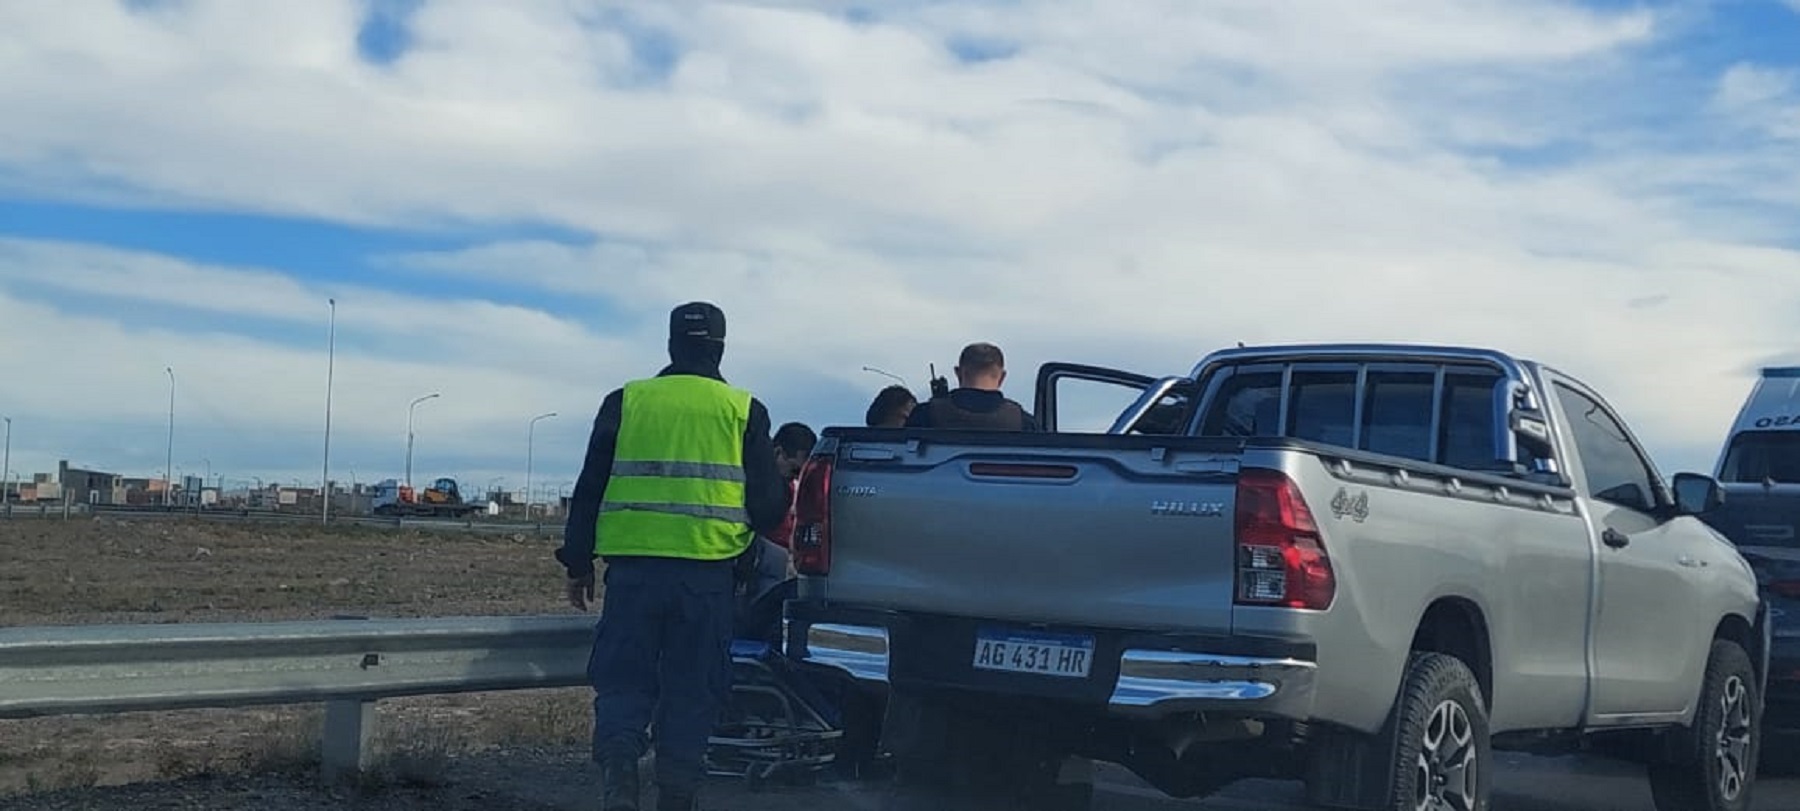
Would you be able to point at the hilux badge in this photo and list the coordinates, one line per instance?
(1356, 507)
(1189, 509)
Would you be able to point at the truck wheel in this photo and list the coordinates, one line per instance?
(1442, 760)
(1714, 765)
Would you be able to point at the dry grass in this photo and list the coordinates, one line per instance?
(120, 570)
(108, 570)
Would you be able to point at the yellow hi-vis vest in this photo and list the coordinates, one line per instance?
(677, 483)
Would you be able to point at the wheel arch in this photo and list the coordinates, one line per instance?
(1752, 636)
(1456, 626)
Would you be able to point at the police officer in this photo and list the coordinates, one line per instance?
(976, 403)
(680, 475)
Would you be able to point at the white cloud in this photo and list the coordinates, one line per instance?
(1745, 85)
(1136, 184)
(1762, 98)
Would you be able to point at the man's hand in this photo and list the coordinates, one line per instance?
(581, 591)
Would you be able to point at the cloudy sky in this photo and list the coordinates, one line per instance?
(506, 198)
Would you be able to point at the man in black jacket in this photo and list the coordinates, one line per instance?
(976, 404)
(671, 500)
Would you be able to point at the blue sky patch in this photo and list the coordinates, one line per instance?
(655, 51)
(315, 250)
(975, 50)
(384, 36)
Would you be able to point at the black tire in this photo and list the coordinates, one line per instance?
(1713, 767)
(1441, 747)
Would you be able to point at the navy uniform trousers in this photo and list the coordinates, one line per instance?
(662, 656)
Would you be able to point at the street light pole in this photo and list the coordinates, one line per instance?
(409, 432)
(330, 371)
(530, 437)
(884, 373)
(169, 457)
(5, 492)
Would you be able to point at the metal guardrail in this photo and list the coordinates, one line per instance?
(15, 509)
(346, 663)
(270, 516)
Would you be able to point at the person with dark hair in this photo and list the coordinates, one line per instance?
(891, 407)
(976, 404)
(680, 476)
(793, 444)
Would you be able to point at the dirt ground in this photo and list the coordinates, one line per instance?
(111, 570)
(108, 570)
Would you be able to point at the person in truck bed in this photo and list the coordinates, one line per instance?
(976, 404)
(891, 407)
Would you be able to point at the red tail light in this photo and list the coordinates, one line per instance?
(1281, 558)
(812, 518)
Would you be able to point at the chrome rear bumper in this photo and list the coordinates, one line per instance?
(1150, 682)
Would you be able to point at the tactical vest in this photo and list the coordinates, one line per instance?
(945, 413)
(677, 483)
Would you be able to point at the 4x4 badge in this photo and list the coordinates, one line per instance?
(1356, 506)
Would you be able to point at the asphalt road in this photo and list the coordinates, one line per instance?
(1524, 784)
(563, 780)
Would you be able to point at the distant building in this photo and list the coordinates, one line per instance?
(87, 486)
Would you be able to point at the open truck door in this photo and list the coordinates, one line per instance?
(1077, 398)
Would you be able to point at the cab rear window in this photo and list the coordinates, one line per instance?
(1425, 412)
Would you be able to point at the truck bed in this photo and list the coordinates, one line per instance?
(960, 524)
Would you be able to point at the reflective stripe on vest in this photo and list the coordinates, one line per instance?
(677, 482)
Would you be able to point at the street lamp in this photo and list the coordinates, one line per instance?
(7, 463)
(409, 431)
(169, 454)
(330, 370)
(202, 460)
(530, 435)
(884, 373)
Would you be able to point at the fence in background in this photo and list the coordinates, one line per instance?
(346, 663)
(13, 509)
(47, 511)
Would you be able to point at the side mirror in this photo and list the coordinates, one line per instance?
(1697, 494)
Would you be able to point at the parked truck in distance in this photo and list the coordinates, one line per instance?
(443, 499)
(1759, 468)
(1361, 566)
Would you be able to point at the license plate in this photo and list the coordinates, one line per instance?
(1046, 654)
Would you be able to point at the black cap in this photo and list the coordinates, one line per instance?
(698, 321)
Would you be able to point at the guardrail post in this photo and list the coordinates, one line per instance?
(349, 728)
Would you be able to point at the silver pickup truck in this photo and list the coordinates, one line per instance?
(1361, 566)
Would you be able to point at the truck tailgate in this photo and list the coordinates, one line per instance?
(1083, 530)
